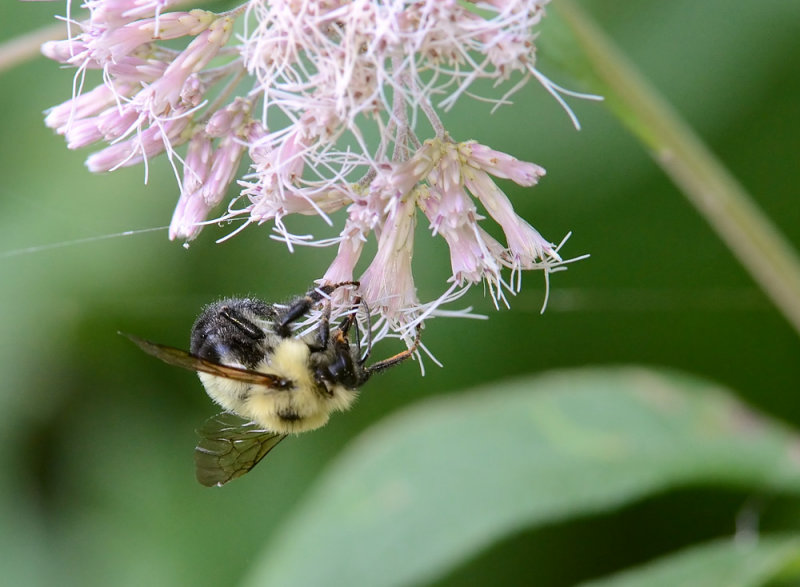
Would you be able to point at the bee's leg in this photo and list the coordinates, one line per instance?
(351, 320)
(242, 323)
(303, 304)
(324, 329)
(394, 360)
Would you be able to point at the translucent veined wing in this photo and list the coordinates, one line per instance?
(180, 358)
(229, 447)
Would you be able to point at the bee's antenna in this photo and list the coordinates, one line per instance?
(369, 334)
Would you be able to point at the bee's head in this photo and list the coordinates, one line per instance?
(339, 364)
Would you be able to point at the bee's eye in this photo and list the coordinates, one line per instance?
(339, 371)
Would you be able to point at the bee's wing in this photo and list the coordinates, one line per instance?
(180, 358)
(229, 447)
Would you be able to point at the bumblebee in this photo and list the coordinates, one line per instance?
(270, 381)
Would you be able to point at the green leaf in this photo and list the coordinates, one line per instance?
(722, 562)
(428, 488)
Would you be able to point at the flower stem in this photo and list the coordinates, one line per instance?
(753, 238)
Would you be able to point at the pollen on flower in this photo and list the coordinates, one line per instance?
(295, 94)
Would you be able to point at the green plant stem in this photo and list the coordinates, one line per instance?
(25, 47)
(752, 237)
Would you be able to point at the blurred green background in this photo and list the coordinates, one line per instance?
(98, 483)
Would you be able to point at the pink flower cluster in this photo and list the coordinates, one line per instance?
(298, 92)
(444, 179)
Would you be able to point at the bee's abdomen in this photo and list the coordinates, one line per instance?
(289, 415)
